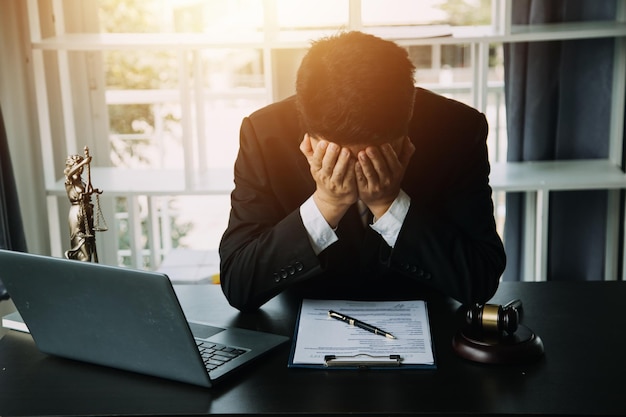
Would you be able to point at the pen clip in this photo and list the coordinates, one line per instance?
(362, 360)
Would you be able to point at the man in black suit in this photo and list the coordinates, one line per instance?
(356, 136)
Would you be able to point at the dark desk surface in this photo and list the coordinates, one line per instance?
(583, 371)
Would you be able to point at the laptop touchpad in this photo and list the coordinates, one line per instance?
(203, 331)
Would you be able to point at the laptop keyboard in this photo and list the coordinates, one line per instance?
(215, 355)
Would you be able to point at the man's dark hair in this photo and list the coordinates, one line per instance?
(355, 88)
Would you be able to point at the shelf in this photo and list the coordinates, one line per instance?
(410, 35)
(565, 31)
(405, 35)
(556, 175)
(127, 182)
(104, 41)
(506, 176)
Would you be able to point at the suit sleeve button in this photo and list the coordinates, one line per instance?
(276, 277)
(283, 273)
(299, 266)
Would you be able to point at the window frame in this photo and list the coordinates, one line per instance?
(55, 46)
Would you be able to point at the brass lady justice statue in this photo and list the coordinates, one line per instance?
(81, 213)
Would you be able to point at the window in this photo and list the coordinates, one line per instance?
(226, 84)
(179, 76)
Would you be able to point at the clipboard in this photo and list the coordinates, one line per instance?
(315, 312)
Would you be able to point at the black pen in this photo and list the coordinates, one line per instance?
(360, 324)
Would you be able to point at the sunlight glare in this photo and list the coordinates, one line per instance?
(312, 14)
(401, 12)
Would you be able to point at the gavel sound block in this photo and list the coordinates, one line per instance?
(492, 333)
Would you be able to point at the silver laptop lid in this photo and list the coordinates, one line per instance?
(118, 317)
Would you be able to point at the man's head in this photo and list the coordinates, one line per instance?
(354, 88)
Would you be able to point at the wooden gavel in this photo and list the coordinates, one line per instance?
(493, 318)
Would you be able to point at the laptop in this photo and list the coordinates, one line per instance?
(122, 318)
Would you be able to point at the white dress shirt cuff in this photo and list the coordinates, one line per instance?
(321, 235)
(389, 225)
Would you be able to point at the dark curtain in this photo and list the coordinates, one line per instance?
(11, 228)
(558, 99)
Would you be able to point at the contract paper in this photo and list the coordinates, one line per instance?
(318, 335)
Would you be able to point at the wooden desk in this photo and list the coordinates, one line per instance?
(582, 372)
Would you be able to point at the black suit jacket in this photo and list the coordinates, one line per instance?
(448, 242)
